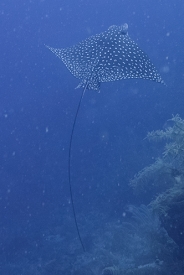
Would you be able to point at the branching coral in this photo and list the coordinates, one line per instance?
(170, 198)
(175, 148)
(166, 173)
(172, 161)
(148, 173)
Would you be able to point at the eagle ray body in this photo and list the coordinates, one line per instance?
(109, 56)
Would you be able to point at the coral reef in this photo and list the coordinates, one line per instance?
(145, 240)
(165, 179)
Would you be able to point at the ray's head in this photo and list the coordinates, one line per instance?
(122, 29)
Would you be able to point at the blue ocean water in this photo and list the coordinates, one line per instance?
(37, 109)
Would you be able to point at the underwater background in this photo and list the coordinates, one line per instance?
(129, 224)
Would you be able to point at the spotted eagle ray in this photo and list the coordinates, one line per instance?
(109, 56)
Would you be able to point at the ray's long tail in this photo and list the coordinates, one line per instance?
(69, 166)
